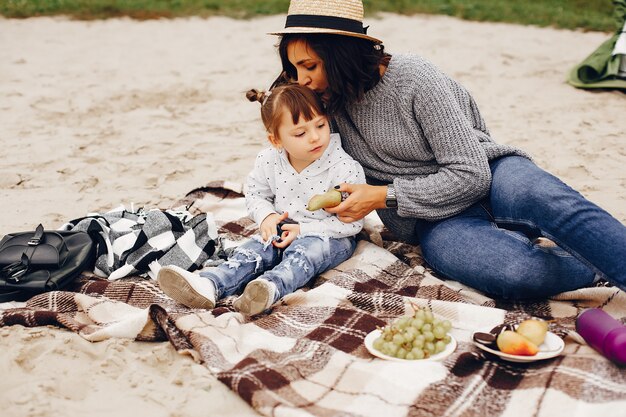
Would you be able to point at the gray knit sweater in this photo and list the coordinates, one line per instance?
(422, 131)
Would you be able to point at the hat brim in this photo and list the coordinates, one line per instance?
(297, 30)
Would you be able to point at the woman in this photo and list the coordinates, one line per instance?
(480, 211)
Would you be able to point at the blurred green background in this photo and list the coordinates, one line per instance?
(570, 14)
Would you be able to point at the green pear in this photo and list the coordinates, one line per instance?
(330, 198)
(533, 330)
(515, 344)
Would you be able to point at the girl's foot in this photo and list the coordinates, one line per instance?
(186, 287)
(258, 296)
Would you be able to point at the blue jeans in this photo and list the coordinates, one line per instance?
(289, 268)
(490, 247)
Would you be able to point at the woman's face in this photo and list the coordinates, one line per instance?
(309, 66)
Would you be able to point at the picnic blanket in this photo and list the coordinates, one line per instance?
(305, 357)
(139, 242)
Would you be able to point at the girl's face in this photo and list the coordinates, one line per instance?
(309, 66)
(304, 142)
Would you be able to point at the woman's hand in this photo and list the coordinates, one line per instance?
(269, 225)
(362, 200)
(290, 233)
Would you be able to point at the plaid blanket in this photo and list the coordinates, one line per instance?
(139, 242)
(306, 356)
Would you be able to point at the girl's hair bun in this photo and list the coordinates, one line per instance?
(255, 95)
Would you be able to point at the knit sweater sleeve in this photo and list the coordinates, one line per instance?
(463, 176)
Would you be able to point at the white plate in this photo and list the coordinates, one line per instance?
(551, 347)
(373, 335)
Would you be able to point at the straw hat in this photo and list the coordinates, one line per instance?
(341, 17)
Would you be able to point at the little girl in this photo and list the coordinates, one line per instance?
(294, 244)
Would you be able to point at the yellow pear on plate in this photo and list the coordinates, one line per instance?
(330, 198)
(533, 330)
(515, 344)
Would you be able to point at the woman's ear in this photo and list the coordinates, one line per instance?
(273, 140)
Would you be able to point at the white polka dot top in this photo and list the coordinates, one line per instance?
(274, 186)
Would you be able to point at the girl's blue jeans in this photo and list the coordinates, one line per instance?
(289, 268)
(490, 246)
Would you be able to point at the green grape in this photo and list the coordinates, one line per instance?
(418, 342)
(401, 353)
(378, 343)
(387, 334)
(418, 336)
(428, 316)
(417, 323)
(419, 354)
(439, 332)
(403, 322)
(409, 334)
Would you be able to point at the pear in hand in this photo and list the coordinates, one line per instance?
(515, 344)
(330, 198)
(533, 330)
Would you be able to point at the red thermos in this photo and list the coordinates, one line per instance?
(603, 333)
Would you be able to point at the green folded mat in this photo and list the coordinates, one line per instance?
(601, 68)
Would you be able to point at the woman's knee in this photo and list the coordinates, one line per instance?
(520, 284)
(493, 275)
(522, 177)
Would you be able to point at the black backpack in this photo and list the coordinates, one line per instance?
(44, 260)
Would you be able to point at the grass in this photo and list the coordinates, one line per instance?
(569, 14)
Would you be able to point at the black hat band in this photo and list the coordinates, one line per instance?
(325, 22)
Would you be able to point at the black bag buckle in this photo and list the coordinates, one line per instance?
(15, 271)
(36, 239)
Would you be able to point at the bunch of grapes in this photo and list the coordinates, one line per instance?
(414, 337)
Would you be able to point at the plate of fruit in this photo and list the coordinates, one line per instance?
(527, 341)
(420, 336)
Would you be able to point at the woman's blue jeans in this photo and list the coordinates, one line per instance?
(490, 246)
(289, 268)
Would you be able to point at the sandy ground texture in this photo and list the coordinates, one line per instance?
(98, 114)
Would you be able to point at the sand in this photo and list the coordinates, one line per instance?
(98, 114)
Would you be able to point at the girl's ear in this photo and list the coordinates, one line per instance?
(273, 140)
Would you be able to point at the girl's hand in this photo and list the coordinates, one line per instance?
(362, 200)
(290, 232)
(269, 225)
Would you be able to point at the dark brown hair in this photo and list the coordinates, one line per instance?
(298, 100)
(352, 65)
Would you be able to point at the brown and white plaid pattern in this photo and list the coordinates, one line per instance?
(306, 357)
